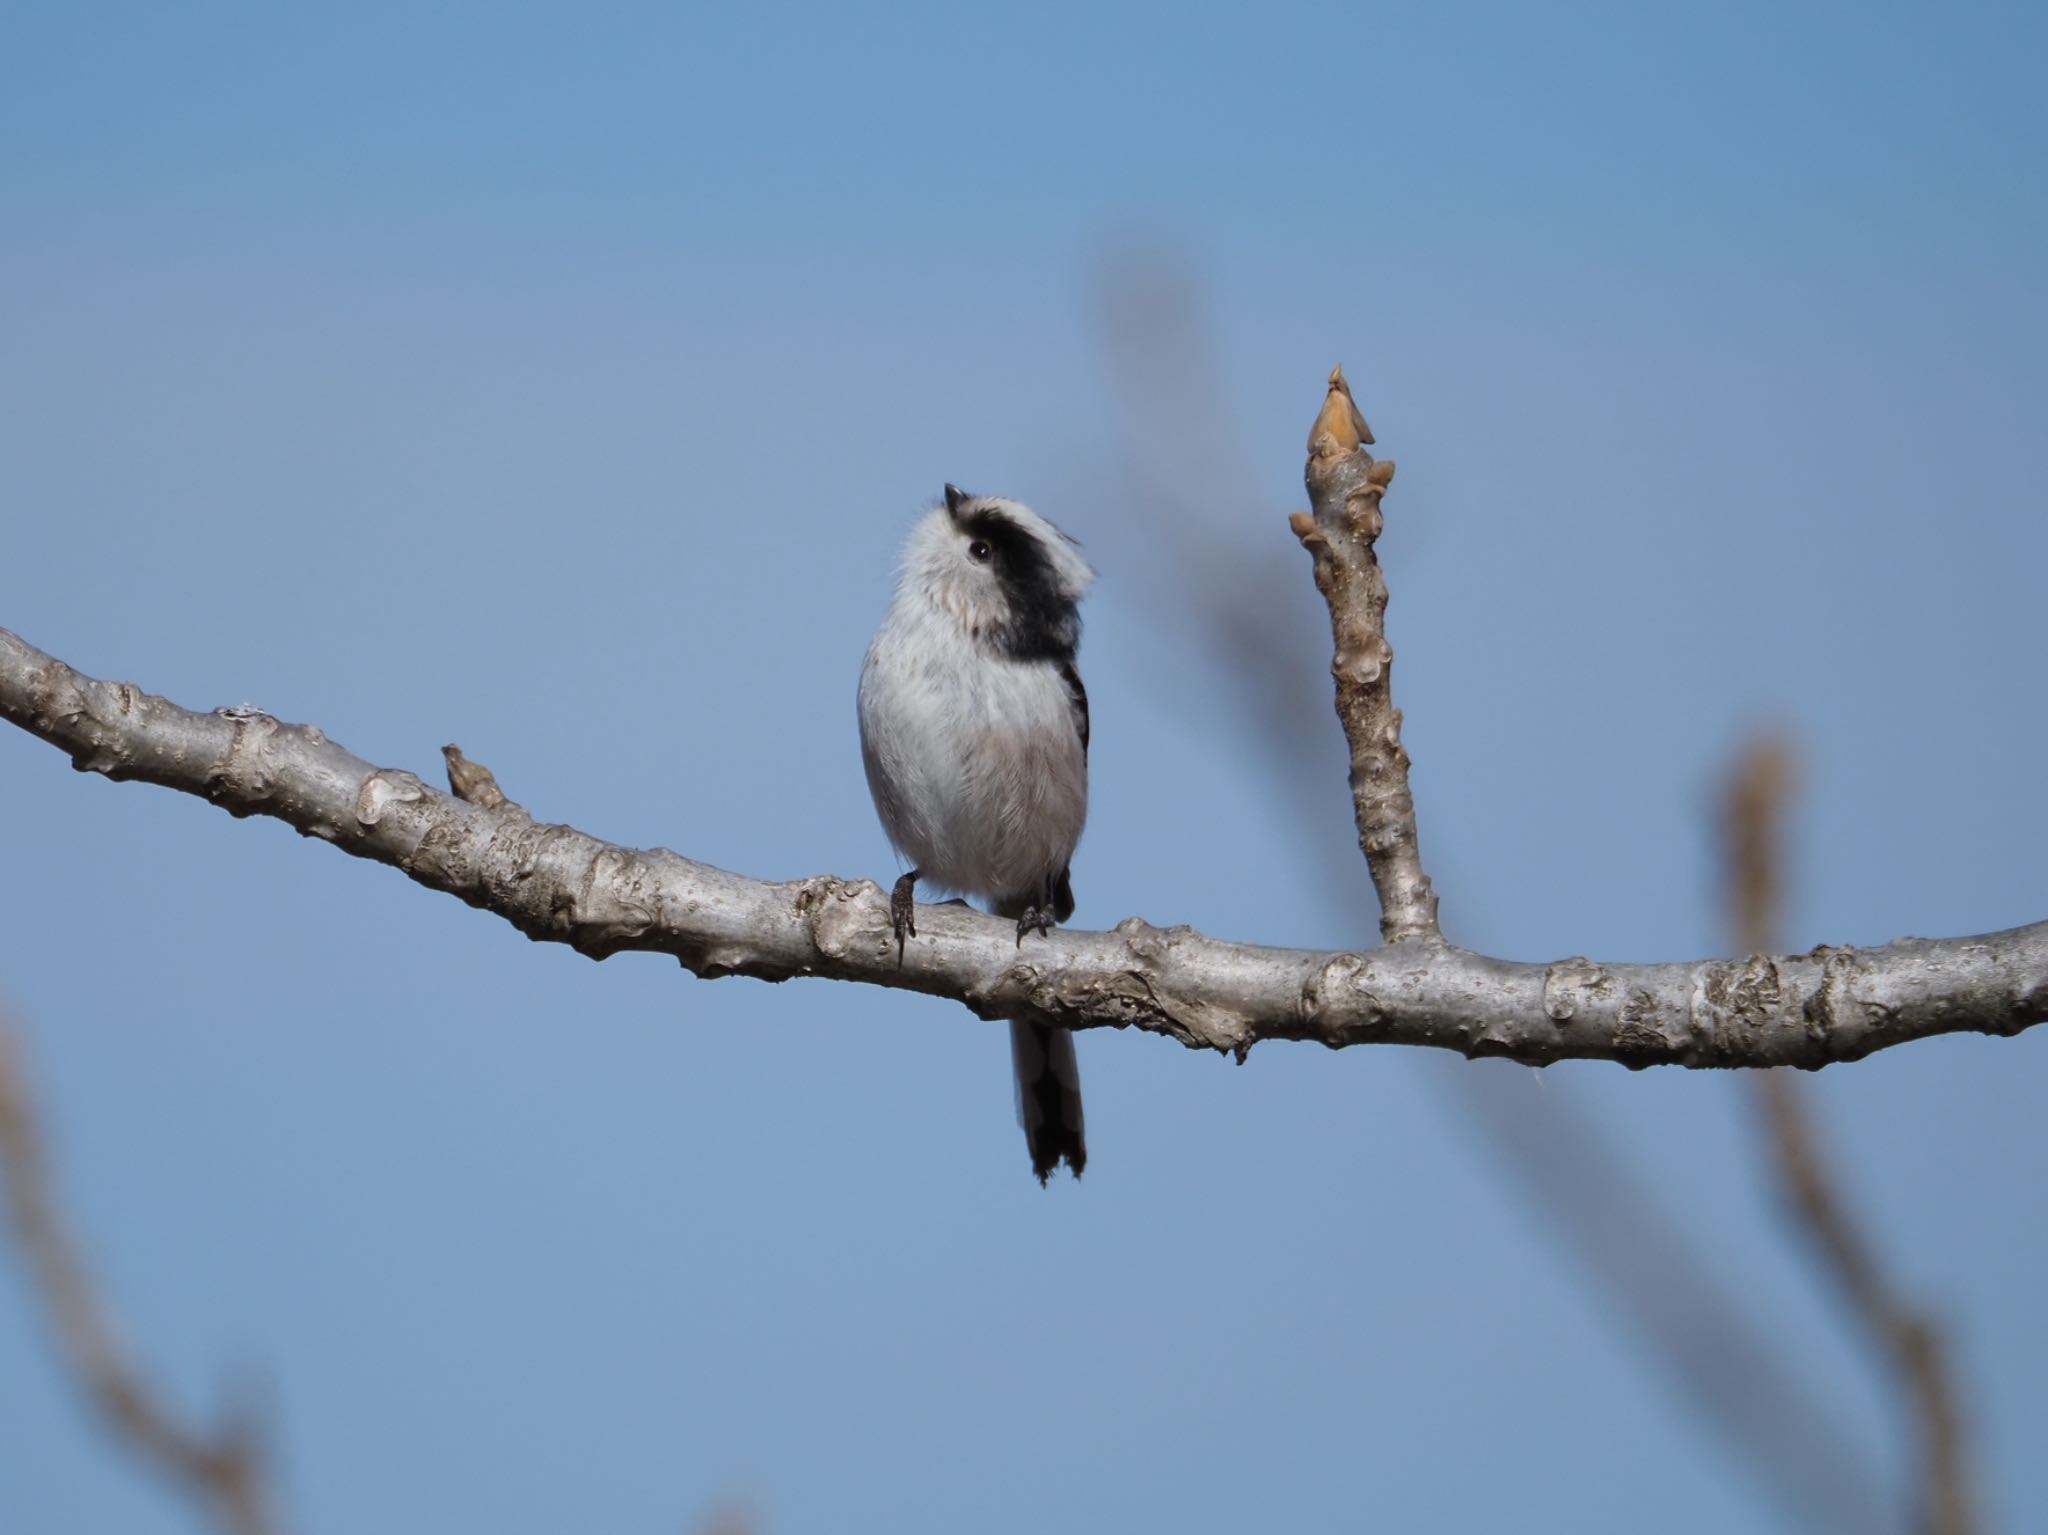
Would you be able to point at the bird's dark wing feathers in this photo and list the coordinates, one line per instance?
(1063, 888)
(1079, 695)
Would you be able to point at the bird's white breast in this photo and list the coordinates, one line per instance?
(975, 762)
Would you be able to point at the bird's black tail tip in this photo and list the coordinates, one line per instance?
(1049, 1151)
(1049, 1098)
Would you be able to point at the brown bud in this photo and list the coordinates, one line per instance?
(1340, 419)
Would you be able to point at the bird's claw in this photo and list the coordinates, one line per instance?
(902, 912)
(1036, 919)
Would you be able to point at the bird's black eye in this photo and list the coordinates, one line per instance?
(978, 550)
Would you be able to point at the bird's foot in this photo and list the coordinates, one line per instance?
(902, 912)
(1036, 919)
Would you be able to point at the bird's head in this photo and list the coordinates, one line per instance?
(1010, 578)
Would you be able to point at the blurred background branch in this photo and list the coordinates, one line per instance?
(1223, 589)
(1759, 789)
(219, 1471)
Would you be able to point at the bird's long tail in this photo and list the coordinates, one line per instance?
(1049, 1096)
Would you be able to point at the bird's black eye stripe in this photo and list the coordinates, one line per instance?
(1039, 621)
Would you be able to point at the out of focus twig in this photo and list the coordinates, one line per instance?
(219, 1471)
(1759, 787)
(1220, 590)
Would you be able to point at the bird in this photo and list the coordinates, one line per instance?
(974, 736)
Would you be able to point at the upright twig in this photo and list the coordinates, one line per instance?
(219, 1471)
(1758, 788)
(1345, 486)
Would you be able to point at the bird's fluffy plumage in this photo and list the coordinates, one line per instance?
(973, 722)
(974, 732)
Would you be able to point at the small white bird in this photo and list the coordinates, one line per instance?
(974, 730)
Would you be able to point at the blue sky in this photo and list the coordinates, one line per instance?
(561, 382)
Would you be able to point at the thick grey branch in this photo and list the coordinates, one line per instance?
(560, 885)
(1345, 485)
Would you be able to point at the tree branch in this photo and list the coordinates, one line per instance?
(219, 1471)
(1904, 1337)
(1345, 485)
(560, 885)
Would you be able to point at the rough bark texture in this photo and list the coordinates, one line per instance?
(560, 885)
(1345, 487)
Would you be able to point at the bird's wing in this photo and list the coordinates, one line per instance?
(1079, 697)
